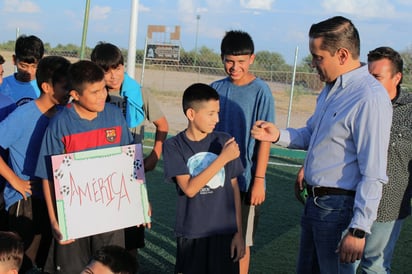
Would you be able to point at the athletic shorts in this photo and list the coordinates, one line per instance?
(29, 218)
(250, 218)
(134, 237)
(209, 255)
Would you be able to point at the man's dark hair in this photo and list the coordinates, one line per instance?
(11, 249)
(2, 60)
(84, 72)
(29, 49)
(237, 42)
(198, 93)
(107, 56)
(387, 53)
(337, 32)
(117, 258)
(51, 69)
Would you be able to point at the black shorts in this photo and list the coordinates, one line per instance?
(250, 218)
(29, 218)
(134, 237)
(205, 255)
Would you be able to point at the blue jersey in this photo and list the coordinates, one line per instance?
(211, 211)
(19, 92)
(68, 132)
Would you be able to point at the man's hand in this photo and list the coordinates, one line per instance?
(299, 184)
(350, 248)
(265, 131)
(237, 248)
(150, 161)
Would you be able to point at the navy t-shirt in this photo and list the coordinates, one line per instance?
(212, 210)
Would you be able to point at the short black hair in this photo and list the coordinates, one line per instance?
(337, 32)
(387, 53)
(117, 258)
(107, 56)
(198, 93)
(52, 69)
(84, 72)
(237, 42)
(2, 60)
(11, 249)
(29, 49)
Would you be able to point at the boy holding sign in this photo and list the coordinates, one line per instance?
(85, 124)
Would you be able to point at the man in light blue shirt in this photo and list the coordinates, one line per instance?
(346, 140)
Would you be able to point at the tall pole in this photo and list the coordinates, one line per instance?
(131, 52)
(197, 34)
(85, 24)
(293, 86)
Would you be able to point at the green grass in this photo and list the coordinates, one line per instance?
(277, 239)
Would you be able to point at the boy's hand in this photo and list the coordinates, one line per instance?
(58, 235)
(237, 247)
(257, 195)
(22, 186)
(150, 161)
(230, 150)
(265, 131)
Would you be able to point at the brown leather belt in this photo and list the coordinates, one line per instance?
(318, 191)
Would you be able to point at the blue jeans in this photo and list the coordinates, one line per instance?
(379, 248)
(323, 223)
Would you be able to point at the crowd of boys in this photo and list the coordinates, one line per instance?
(218, 164)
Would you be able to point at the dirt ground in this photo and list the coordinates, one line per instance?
(168, 86)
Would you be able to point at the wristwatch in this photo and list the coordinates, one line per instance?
(357, 233)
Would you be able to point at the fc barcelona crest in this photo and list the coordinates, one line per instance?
(111, 135)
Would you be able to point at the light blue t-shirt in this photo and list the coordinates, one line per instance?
(347, 141)
(19, 92)
(22, 133)
(240, 108)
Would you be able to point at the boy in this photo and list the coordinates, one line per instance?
(125, 92)
(249, 98)
(21, 86)
(11, 252)
(86, 123)
(6, 107)
(111, 259)
(23, 193)
(204, 164)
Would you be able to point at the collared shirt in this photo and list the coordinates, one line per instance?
(347, 141)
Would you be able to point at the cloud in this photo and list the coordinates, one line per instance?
(100, 12)
(364, 8)
(257, 4)
(20, 6)
(143, 8)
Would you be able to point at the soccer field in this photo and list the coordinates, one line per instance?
(277, 238)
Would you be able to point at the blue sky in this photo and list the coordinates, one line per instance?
(275, 25)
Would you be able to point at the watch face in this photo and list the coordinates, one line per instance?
(357, 233)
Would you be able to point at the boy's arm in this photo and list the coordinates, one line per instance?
(192, 185)
(237, 248)
(258, 186)
(162, 128)
(49, 197)
(22, 186)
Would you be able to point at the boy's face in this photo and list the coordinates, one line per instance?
(237, 66)
(26, 72)
(92, 100)
(114, 78)
(205, 118)
(60, 92)
(7, 268)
